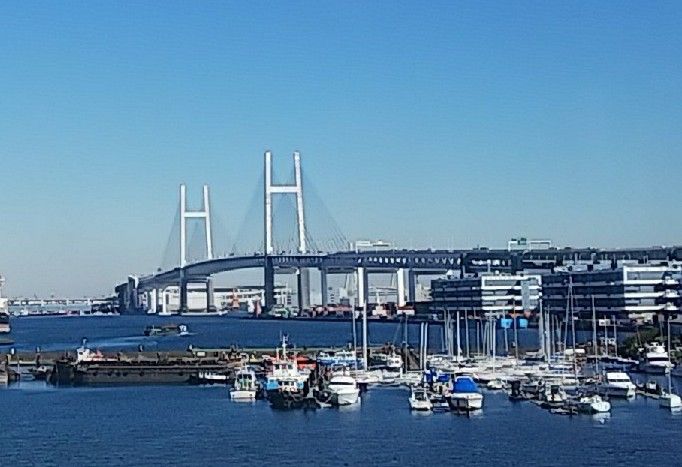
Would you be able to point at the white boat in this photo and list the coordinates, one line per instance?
(553, 394)
(656, 360)
(495, 385)
(593, 404)
(670, 401)
(245, 385)
(617, 384)
(465, 395)
(419, 400)
(344, 390)
(340, 357)
(212, 377)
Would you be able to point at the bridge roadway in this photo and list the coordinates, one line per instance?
(416, 262)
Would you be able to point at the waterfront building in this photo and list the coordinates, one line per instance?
(498, 294)
(523, 244)
(629, 292)
(225, 298)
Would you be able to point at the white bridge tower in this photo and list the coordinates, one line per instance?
(295, 189)
(204, 213)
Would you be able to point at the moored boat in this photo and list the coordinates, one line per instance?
(465, 395)
(245, 385)
(616, 384)
(655, 360)
(593, 404)
(344, 390)
(419, 400)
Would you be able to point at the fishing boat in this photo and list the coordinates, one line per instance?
(344, 390)
(465, 395)
(616, 384)
(245, 385)
(593, 404)
(282, 372)
(419, 400)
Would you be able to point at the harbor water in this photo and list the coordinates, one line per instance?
(199, 425)
(126, 333)
(185, 425)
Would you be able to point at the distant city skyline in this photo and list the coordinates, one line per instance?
(452, 126)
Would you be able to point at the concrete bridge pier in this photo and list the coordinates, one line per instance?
(363, 286)
(323, 286)
(152, 300)
(268, 284)
(183, 294)
(411, 285)
(400, 275)
(164, 301)
(210, 298)
(303, 288)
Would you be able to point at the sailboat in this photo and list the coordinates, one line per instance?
(669, 400)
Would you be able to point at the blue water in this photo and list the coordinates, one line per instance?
(192, 425)
(184, 425)
(126, 332)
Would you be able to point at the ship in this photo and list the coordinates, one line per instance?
(4, 310)
(94, 368)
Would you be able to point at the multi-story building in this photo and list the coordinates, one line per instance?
(498, 294)
(523, 244)
(225, 298)
(635, 292)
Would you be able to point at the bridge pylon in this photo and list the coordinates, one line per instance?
(296, 189)
(203, 213)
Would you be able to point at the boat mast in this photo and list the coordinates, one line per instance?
(575, 360)
(355, 341)
(364, 336)
(466, 330)
(459, 353)
(594, 337)
(541, 332)
(669, 369)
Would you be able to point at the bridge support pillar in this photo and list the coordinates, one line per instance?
(363, 286)
(400, 273)
(210, 296)
(323, 286)
(152, 300)
(157, 299)
(268, 284)
(164, 301)
(411, 285)
(303, 288)
(183, 295)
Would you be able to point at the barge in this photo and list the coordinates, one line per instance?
(93, 368)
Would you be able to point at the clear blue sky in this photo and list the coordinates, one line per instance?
(456, 124)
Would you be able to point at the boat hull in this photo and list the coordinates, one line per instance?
(345, 397)
(617, 391)
(465, 401)
(670, 401)
(243, 395)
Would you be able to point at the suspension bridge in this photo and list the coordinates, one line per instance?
(325, 249)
